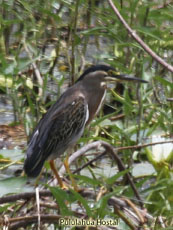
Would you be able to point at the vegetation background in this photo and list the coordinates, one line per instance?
(44, 47)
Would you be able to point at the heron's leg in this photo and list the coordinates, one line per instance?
(66, 165)
(52, 165)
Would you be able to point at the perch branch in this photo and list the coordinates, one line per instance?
(96, 144)
(110, 149)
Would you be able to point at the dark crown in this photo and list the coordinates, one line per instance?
(94, 68)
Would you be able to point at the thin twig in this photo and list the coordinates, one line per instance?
(122, 167)
(35, 68)
(133, 206)
(38, 206)
(123, 217)
(25, 196)
(139, 40)
(49, 205)
(90, 162)
(8, 165)
(169, 99)
(79, 153)
(143, 146)
(27, 220)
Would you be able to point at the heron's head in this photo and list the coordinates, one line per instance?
(103, 74)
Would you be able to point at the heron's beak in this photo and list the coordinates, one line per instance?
(114, 76)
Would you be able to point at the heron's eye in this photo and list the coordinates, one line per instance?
(103, 84)
(112, 72)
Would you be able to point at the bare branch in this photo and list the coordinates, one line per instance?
(98, 144)
(79, 153)
(113, 152)
(24, 221)
(25, 196)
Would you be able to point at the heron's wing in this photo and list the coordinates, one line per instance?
(66, 125)
(59, 128)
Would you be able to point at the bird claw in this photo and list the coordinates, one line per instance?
(65, 186)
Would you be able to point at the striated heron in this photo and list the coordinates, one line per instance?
(64, 122)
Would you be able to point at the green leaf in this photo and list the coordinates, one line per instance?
(24, 63)
(83, 202)
(94, 31)
(114, 178)
(100, 119)
(148, 32)
(164, 81)
(4, 208)
(101, 207)
(61, 197)
(87, 180)
(102, 204)
(128, 103)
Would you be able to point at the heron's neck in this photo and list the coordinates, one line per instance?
(95, 100)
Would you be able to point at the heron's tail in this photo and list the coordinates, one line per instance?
(33, 163)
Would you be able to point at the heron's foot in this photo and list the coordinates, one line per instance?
(55, 172)
(73, 182)
(65, 186)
